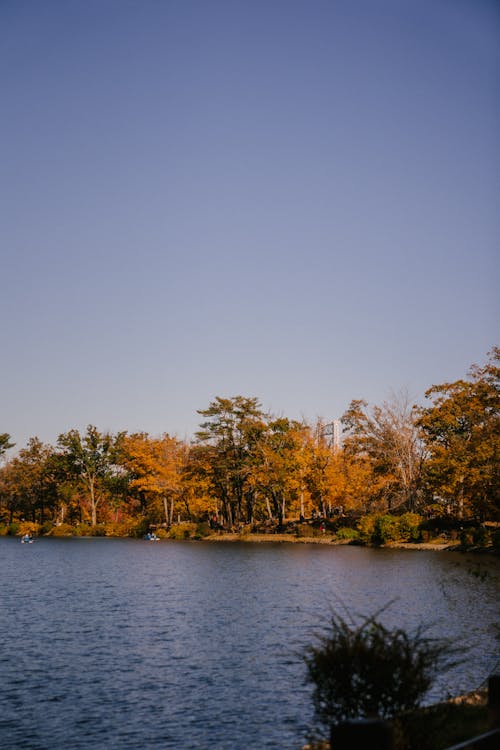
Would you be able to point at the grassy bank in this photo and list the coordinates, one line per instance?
(439, 726)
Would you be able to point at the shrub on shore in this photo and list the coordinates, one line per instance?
(203, 530)
(372, 529)
(139, 528)
(63, 529)
(10, 529)
(381, 528)
(410, 527)
(29, 528)
(305, 530)
(345, 532)
(478, 537)
(386, 530)
(182, 531)
(365, 669)
(366, 528)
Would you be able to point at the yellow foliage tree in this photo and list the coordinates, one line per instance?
(325, 477)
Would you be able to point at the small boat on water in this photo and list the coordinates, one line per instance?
(151, 537)
(27, 539)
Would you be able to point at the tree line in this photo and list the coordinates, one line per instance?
(246, 466)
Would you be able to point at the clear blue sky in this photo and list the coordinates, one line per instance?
(297, 201)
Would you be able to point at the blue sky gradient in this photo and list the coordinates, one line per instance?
(292, 200)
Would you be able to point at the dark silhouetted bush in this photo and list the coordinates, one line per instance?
(480, 537)
(495, 540)
(368, 670)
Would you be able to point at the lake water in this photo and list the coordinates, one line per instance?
(117, 643)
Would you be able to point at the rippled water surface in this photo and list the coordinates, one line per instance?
(108, 643)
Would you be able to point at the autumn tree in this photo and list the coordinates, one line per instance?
(92, 460)
(279, 473)
(225, 448)
(5, 495)
(155, 467)
(28, 482)
(197, 499)
(356, 481)
(325, 479)
(461, 429)
(389, 439)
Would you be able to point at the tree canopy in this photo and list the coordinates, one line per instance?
(245, 466)
(5, 443)
(461, 429)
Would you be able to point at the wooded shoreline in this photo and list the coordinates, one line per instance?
(284, 539)
(395, 472)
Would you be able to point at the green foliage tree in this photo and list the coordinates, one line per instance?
(5, 443)
(226, 449)
(29, 483)
(92, 460)
(386, 529)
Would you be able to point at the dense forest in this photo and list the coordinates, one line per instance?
(247, 469)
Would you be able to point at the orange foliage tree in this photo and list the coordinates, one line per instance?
(462, 431)
(155, 467)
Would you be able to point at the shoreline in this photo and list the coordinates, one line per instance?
(326, 540)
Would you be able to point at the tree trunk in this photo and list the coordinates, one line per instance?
(250, 502)
(93, 501)
(269, 512)
(461, 501)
